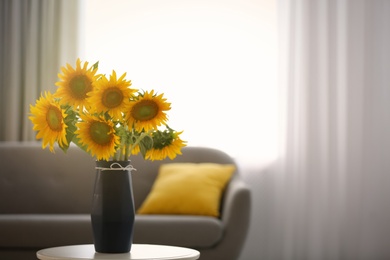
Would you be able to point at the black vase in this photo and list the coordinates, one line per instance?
(112, 214)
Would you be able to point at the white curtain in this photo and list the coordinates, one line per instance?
(330, 190)
(37, 37)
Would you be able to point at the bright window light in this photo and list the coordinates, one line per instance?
(215, 61)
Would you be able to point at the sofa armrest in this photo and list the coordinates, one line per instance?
(235, 216)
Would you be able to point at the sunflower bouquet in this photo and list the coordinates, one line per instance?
(104, 116)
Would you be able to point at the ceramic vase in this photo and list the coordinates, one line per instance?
(113, 214)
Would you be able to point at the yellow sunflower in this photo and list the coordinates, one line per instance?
(48, 119)
(165, 144)
(112, 96)
(147, 112)
(98, 135)
(75, 84)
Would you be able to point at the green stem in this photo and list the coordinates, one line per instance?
(127, 153)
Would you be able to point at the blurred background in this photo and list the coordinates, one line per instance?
(296, 91)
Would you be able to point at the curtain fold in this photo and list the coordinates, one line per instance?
(331, 196)
(37, 37)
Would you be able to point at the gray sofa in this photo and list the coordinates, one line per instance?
(45, 200)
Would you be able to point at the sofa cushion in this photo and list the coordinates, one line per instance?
(188, 188)
(187, 231)
(44, 230)
(48, 230)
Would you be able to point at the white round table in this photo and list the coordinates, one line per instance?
(138, 252)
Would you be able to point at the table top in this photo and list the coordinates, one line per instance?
(138, 252)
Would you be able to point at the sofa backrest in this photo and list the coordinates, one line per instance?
(34, 180)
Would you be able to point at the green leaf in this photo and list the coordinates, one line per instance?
(64, 148)
(96, 65)
(145, 144)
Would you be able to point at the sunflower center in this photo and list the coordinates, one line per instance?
(112, 97)
(100, 133)
(80, 86)
(54, 118)
(144, 110)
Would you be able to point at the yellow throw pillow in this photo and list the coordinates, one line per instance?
(188, 188)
